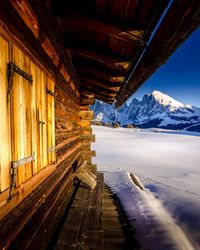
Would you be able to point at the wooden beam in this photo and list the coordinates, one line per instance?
(87, 94)
(87, 101)
(85, 146)
(77, 23)
(87, 98)
(98, 91)
(106, 101)
(84, 107)
(88, 137)
(105, 95)
(104, 98)
(111, 63)
(104, 84)
(95, 72)
(85, 81)
(85, 123)
(87, 115)
(89, 153)
(99, 96)
(28, 16)
(86, 130)
(94, 87)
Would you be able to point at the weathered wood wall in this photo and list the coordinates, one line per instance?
(34, 121)
(66, 123)
(41, 119)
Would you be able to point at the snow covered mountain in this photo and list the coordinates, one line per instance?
(154, 110)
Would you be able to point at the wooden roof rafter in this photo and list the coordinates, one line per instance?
(104, 98)
(79, 22)
(95, 83)
(95, 72)
(88, 97)
(111, 63)
(98, 91)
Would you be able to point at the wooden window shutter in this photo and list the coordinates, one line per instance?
(41, 118)
(23, 154)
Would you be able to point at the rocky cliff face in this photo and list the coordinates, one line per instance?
(154, 110)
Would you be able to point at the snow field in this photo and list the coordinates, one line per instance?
(166, 215)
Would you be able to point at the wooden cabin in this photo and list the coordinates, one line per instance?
(56, 58)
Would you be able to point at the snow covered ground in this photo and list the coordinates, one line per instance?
(166, 215)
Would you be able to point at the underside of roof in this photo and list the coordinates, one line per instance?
(105, 40)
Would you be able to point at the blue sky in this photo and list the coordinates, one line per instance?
(180, 76)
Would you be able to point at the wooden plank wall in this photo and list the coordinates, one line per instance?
(67, 128)
(48, 119)
(34, 122)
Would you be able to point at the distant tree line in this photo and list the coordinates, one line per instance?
(112, 124)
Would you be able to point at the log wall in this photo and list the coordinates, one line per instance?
(41, 118)
(67, 128)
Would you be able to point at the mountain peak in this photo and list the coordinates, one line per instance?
(157, 93)
(154, 110)
(166, 100)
